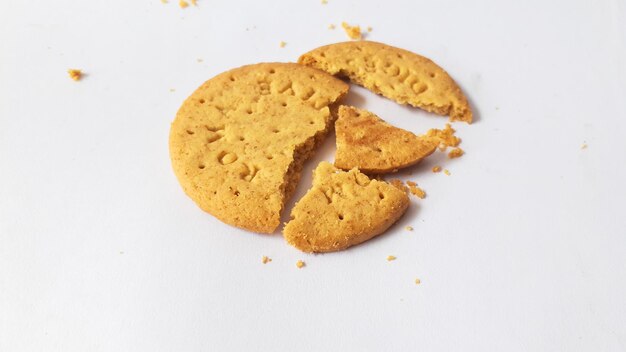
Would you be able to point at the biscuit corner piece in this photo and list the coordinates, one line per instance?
(395, 73)
(343, 209)
(238, 143)
(373, 146)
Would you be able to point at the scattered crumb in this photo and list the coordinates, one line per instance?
(390, 258)
(75, 74)
(324, 2)
(194, 2)
(436, 168)
(121, 252)
(300, 264)
(455, 153)
(199, 60)
(445, 137)
(399, 185)
(183, 4)
(369, 28)
(163, 1)
(172, 90)
(446, 172)
(282, 44)
(331, 26)
(354, 32)
(266, 260)
(418, 281)
(497, 108)
(584, 146)
(416, 191)
(409, 228)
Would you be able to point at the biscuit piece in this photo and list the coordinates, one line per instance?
(343, 209)
(75, 74)
(238, 142)
(366, 142)
(397, 74)
(354, 32)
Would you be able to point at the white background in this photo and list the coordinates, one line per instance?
(522, 248)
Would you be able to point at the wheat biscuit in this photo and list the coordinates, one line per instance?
(397, 74)
(238, 142)
(343, 209)
(370, 144)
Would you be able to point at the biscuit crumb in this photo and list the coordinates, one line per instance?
(300, 264)
(331, 26)
(369, 28)
(399, 185)
(75, 74)
(282, 44)
(409, 228)
(163, 1)
(199, 60)
(390, 258)
(194, 2)
(183, 4)
(455, 153)
(324, 2)
(172, 90)
(418, 281)
(265, 259)
(354, 32)
(446, 172)
(416, 191)
(584, 146)
(437, 168)
(445, 137)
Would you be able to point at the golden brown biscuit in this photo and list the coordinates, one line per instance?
(397, 74)
(370, 144)
(238, 142)
(343, 209)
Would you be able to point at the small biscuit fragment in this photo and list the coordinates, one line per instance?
(416, 191)
(354, 32)
(397, 74)
(343, 209)
(399, 185)
(238, 142)
(445, 138)
(391, 258)
(300, 264)
(75, 74)
(455, 153)
(370, 144)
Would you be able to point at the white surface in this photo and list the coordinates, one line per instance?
(522, 248)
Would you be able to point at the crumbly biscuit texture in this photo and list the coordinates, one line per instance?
(343, 209)
(397, 74)
(238, 142)
(366, 142)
